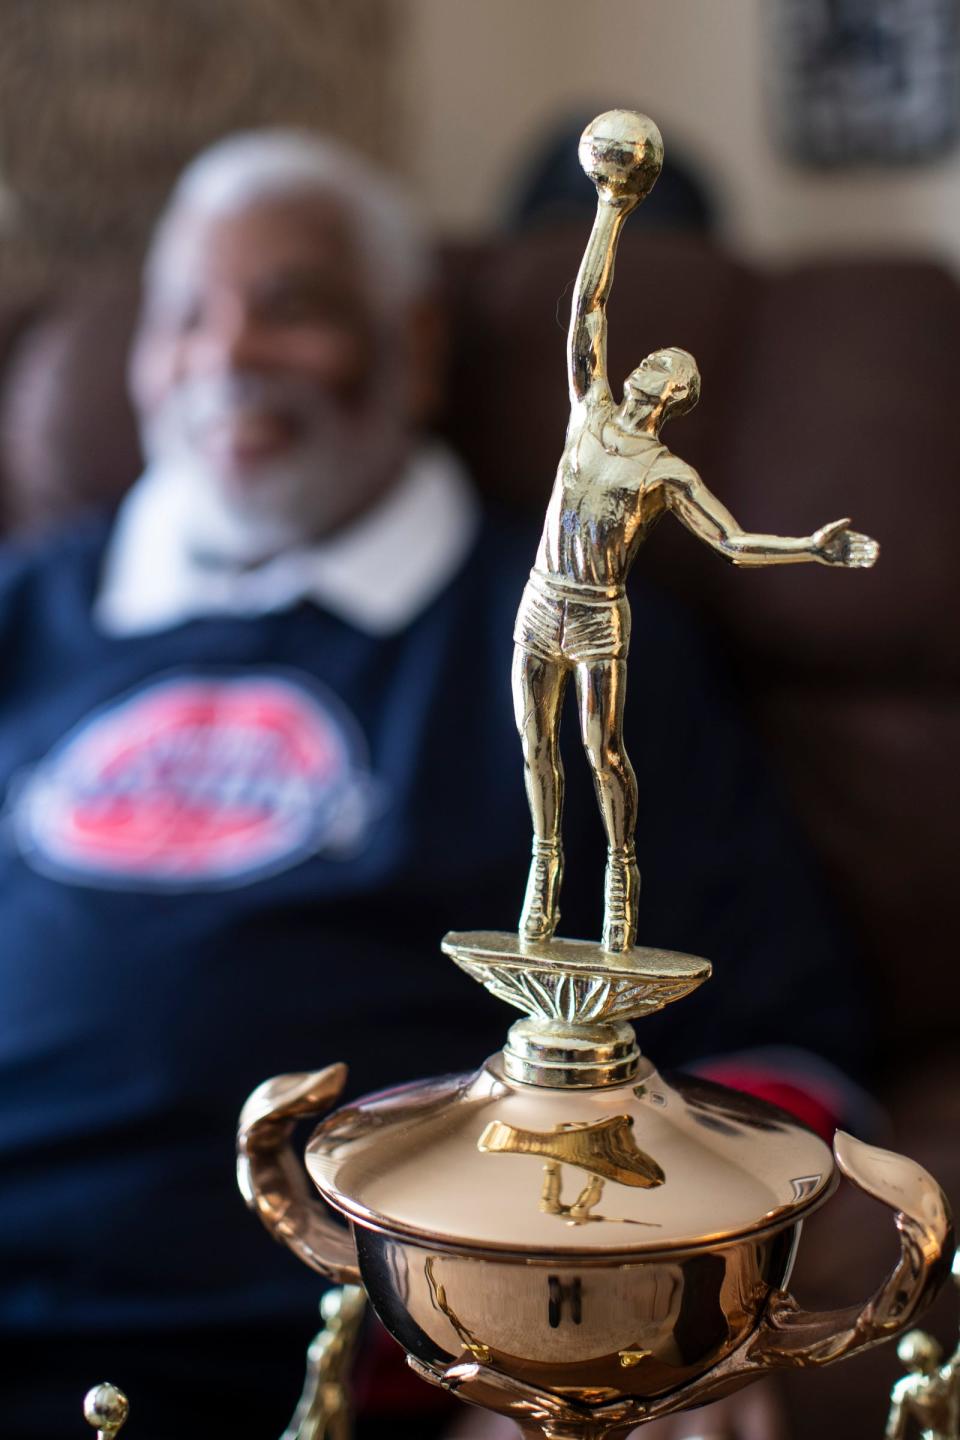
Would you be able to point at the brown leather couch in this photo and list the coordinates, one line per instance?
(828, 389)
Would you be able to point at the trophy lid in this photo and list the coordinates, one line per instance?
(486, 1163)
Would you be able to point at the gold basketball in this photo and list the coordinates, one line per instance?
(105, 1407)
(622, 152)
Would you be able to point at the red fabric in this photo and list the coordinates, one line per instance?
(816, 1110)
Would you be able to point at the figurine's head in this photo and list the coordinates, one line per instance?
(919, 1351)
(665, 384)
(285, 353)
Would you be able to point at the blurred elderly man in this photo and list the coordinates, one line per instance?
(258, 754)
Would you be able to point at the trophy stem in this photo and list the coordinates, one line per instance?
(585, 1428)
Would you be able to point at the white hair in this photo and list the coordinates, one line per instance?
(254, 166)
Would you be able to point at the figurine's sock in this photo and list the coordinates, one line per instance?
(621, 894)
(538, 919)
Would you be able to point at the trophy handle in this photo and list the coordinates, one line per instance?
(273, 1181)
(790, 1336)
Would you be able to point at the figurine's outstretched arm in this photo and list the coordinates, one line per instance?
(703, 514)
(587, 336)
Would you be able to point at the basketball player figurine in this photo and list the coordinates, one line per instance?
(615, 479)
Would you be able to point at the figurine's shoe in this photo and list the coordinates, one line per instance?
(541, 910)
(621, 893)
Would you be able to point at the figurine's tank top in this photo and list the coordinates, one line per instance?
(599, 511)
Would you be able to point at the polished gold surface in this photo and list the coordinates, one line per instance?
(438, 1295)
(271, 1178)
(323, 1412)
(587, 1350)
(459, 1162)
(929, 1395)
(577, 997)
(606, 1148)
(614, 482)
(575, 981)
(566, 1236)
(579, 1211)
(563, 1328)
(553, 1055)
(106, 1408)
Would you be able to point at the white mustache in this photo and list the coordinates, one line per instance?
(205, 400)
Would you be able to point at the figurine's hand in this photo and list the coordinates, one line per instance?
(837, 544)
(618, 199)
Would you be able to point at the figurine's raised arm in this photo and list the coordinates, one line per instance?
(703, 514)
(587, 337)
(622, 153)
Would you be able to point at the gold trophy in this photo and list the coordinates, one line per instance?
(565, 1236)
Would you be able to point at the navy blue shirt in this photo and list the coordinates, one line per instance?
(230, 849)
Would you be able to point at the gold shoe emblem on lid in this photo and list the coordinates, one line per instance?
(606, 1149)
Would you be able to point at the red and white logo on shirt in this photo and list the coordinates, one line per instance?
(198, 782)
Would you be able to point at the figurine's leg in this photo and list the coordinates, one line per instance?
(538, 687)
(601, 685)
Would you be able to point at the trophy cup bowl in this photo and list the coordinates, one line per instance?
(566, 1236)
(517, 1241)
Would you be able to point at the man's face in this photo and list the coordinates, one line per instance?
(264, 373)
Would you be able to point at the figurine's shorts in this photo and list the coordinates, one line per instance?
(574, 623)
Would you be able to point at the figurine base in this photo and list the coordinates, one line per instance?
(575, 982)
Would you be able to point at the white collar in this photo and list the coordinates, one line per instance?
(378, 574)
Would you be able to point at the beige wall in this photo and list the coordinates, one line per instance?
(484, 76)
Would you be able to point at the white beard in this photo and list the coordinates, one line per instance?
(278, 504)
